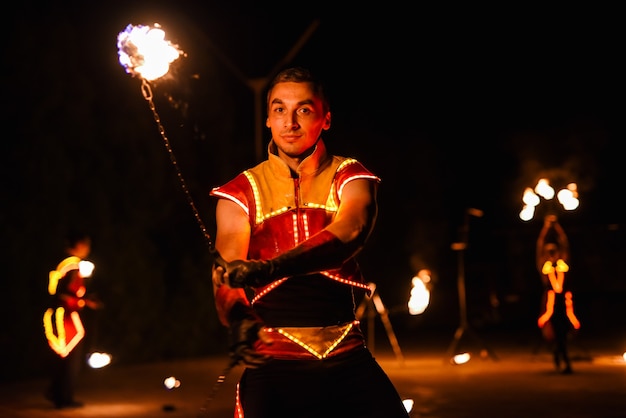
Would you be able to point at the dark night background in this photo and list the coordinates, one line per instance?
(453, 108)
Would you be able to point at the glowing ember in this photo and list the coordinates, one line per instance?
(143, 51)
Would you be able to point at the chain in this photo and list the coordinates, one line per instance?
(147, 94)
(218, 384)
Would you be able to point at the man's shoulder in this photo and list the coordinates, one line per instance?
(352, 167)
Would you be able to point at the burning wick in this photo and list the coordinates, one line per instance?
(143, 51)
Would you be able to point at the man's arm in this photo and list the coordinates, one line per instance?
(231, 241)
(357, 213)
(562, 240)
(233, 308)
(548, 221)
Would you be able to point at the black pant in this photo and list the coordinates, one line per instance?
(64, 374)
(348, 385)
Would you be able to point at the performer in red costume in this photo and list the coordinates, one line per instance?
(288, 231)
(557, 318)
(62, 323)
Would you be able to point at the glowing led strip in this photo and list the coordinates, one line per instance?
(311, 349)
(555, 281)
(58, 342)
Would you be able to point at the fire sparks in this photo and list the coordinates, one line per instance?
(143, 51)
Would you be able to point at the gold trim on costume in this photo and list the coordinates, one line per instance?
(319, 341)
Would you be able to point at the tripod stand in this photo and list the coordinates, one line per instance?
(373, 304)
(464, 326)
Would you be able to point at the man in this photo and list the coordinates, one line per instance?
(557, 311)
(62, 323)
(288, 230)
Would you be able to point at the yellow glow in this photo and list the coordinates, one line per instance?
(556, 280)
(319, 347)
(69, 263)
(57, 341)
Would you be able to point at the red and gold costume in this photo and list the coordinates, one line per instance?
(284, 211)
(62, 323)
(557, 299)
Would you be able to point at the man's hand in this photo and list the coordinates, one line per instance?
(240, 273)
(549, 220)
(245, 329)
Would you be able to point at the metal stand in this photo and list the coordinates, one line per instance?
(374, 304)
(464, 327)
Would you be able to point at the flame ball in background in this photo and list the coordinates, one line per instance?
(144, 52)
(420, 294)
(171, 383)
(98, 360)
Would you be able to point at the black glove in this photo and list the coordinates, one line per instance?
(243, 332)
(322, 251)
(250, 273)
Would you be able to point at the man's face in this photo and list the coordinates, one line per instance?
(296, 118)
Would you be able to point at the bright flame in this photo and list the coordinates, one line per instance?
(420, 295)
(143, 51)
(544, 189)
(85, 268)
(171, 382)
(530, 198)
(569, 197)
(527, 213)
(98, 360)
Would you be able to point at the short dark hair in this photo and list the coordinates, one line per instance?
(301, 75)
